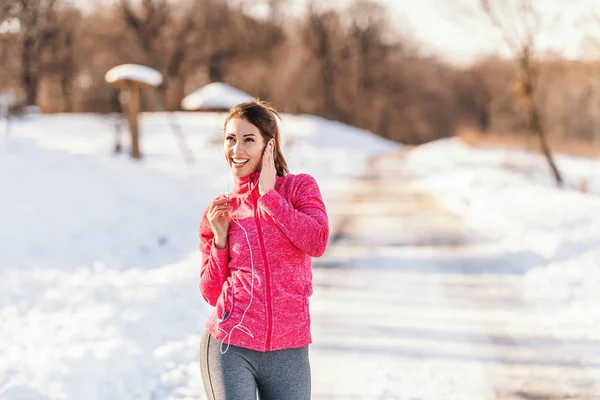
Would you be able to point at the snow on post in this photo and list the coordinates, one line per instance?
(142, 75)
(215, 96)
(130, 79)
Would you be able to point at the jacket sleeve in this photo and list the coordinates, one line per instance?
(215, 269)
(306, 224)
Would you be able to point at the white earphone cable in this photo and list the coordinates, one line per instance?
(239, 325)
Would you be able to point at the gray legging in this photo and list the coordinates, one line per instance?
(240, 373)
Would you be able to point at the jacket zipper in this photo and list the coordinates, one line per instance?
(267, 276)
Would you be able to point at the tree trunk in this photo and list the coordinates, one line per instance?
(30, 80)
(529, 80)
(534, 118)
(215, 68)
(28, 74)
(67, 94)
(161, 96)
(174, 92)
(484, 119)
(327, 75)
(67, 75)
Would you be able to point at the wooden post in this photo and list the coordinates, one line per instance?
(130, 79)
(133, 111)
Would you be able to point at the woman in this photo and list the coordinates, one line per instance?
(257, 245)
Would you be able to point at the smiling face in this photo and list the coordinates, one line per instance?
(243, 147)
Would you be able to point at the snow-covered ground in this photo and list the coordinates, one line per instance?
(98, 254)
(510, 196)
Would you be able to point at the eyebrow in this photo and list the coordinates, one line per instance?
(244, 135)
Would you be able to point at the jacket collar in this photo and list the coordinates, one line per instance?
(246, 183)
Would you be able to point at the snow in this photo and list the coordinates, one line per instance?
(215, 95)
(99, 256)
(135, 72)
(8, 98)
(510, 196)
(99, 262)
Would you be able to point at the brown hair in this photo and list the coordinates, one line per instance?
(263, 116)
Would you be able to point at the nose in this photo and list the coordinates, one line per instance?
(237, 148)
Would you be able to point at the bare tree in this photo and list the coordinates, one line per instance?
(177, 45)
(520, 27)
(147, 23)
(368, 52)
(215, 48)
(9, 30)
(474, 94)
(147, 20)
(227, 34)
(37, 27)
(321, 35)
(60, 58)
(180, 37)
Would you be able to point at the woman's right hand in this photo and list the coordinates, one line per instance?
(218, 217)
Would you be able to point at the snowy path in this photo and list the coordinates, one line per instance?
(410, 304)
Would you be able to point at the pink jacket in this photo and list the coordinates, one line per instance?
(268, 308)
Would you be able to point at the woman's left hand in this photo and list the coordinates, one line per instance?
(268, 172)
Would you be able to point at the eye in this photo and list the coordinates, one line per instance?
(249, 139)
(230, 138)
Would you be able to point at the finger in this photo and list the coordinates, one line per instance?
(214, 203)
(268, 150)
(222, 210)
(219, 210)
(265, 157)
(223, 214)
(218, 203)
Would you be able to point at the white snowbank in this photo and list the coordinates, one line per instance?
(215, 95)
(510, 196)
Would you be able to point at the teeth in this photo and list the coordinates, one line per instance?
(239, 162)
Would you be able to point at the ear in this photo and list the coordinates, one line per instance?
(270, 142)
